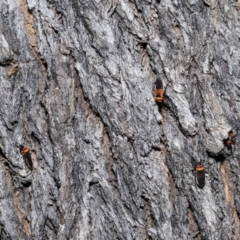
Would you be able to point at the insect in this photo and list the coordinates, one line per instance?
(27, 157)
(200, 175)
(230, 140)
(159, 91)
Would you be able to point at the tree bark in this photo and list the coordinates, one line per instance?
(77, 88)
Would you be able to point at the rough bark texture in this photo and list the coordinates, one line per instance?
(77, 80)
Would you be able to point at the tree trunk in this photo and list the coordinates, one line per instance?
(77, 89)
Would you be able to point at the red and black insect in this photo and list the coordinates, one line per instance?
(159, 91)
(230, 140)
(27, 157)
(200, 175)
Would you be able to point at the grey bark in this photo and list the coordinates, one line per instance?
(77, 88)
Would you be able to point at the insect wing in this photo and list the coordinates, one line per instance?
(200, 178)
(28, 160)
(159, 84)
(159, 91)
